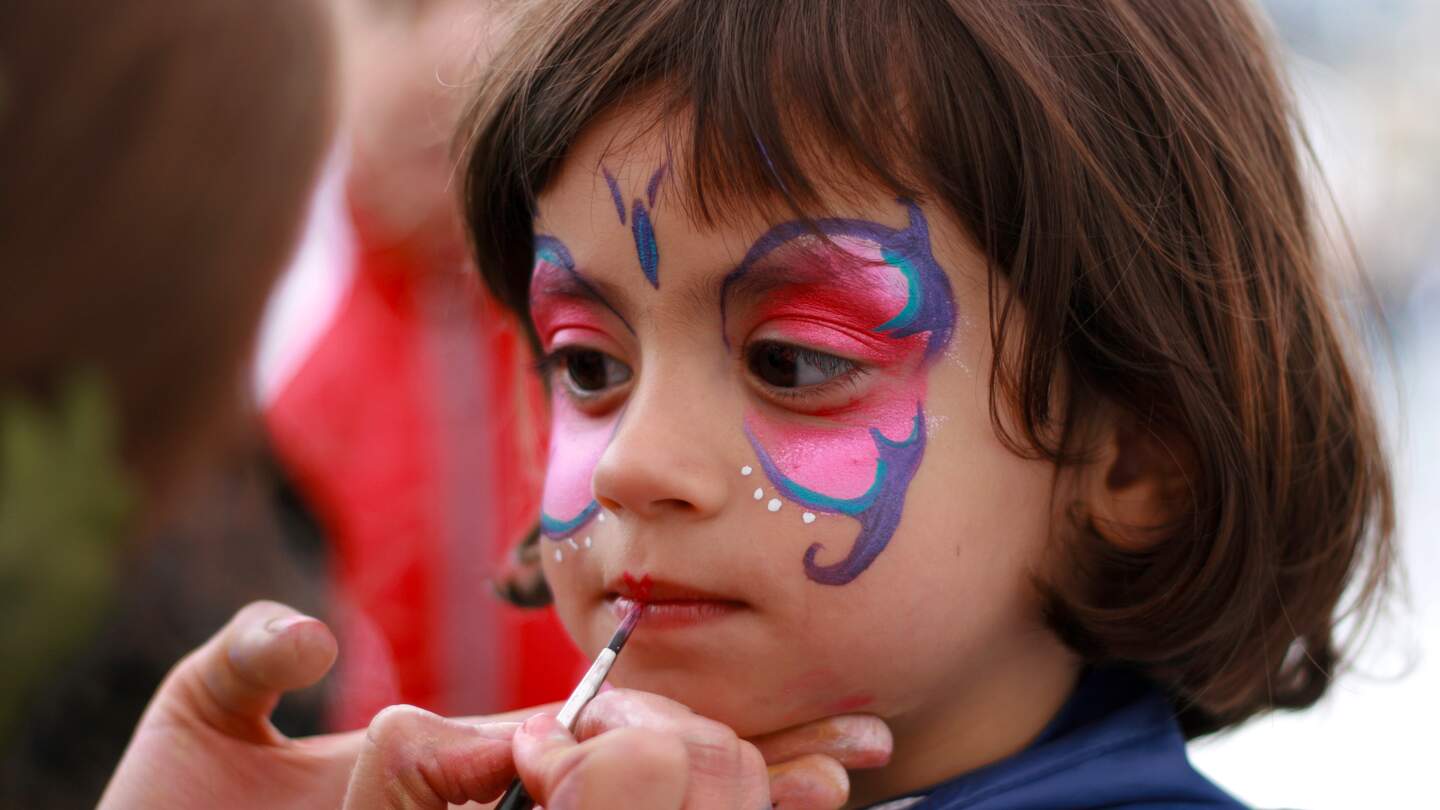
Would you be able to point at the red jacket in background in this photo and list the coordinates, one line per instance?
(413, 426)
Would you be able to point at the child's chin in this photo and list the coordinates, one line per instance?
(748, 709)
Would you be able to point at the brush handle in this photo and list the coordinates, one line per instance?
(516, 798)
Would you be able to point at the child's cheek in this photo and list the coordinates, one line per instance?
(576, 443)
(839, 459)
(839, 462)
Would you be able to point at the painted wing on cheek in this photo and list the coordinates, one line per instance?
(555, 529)
(878, 510)
(929, 309)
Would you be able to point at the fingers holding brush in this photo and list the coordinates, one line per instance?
(415, 760)
(620, 769)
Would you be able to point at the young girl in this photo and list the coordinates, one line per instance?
(967, 364)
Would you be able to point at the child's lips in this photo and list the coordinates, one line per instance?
(675, 613)
(670, 605)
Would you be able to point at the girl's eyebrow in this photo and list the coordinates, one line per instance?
(570, 283)
(754, 283)
(753, 279)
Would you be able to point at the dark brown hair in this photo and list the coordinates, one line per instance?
(156, 160)
(1132, 169)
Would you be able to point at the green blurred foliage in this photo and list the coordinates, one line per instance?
(64, 505)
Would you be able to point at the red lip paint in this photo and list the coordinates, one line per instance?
(677, 606)
(639, 588)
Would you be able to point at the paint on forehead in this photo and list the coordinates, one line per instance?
(642, 228)
(646, 249)
(863, 465)
(615, 195)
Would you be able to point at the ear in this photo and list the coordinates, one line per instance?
(1138, 485)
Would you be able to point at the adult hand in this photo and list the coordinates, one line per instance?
(206, 741)
(629, 750)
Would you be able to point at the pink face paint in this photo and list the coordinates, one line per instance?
(577, 440)
(576, 444)
(838, 301)
(553, 315)
(862, 462)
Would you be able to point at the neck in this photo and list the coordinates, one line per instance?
(986, 717)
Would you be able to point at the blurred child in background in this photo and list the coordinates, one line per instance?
(157, 160)
(376, 355)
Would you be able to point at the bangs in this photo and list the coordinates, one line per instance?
(776, 105)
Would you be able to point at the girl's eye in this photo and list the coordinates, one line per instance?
(588, 371)
(784, 366)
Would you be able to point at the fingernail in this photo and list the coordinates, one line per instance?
(280, 624)
(545, 727)
(870, 748)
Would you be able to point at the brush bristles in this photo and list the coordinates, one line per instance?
(627, 626)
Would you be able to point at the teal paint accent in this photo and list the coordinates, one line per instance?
(556, 529)
(911, 439)
(848, 506)
(915, 291)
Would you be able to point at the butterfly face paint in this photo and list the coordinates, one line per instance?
(647, 251)
(889, 305)
(578, 439)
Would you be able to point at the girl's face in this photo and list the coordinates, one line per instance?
(785, 446)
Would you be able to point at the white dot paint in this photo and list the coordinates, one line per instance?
(808, 517)
(759, 493)
(773, 505)
(600, 517)
(587, 542)
(746, 470)
(571, 541)
(558, 555)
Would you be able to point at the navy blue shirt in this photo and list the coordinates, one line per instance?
(1115, 743)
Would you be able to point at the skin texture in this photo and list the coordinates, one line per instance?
(700, 480)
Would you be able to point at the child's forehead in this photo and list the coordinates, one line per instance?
(633, 153)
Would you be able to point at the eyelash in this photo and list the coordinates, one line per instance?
(849, 379)
(554, 362)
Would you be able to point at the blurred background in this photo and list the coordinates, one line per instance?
(359, 487)
(1368, 79)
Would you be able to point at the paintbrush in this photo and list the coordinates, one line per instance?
(516, 797)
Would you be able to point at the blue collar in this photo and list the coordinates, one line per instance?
(1115, 742)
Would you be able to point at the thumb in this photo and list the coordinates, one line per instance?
(234, 680)
(617, 770)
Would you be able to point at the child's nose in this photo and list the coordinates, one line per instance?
(664, 460)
